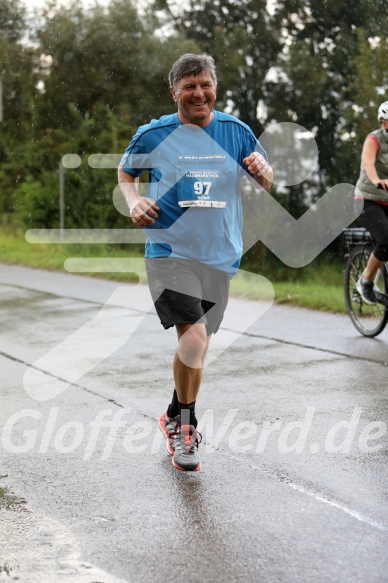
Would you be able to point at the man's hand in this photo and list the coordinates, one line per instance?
(143, 210)
(260, 169)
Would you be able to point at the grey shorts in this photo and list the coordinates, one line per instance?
(186, 291)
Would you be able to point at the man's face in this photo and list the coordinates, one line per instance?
(195, 96)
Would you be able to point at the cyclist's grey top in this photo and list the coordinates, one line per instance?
(367, 188)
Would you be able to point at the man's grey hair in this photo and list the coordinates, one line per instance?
(190, 64)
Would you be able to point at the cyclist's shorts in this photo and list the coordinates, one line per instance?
(374, 218)
(186, 291)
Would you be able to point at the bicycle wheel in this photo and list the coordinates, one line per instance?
(369, 320)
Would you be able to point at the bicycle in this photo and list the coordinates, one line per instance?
(368, 320)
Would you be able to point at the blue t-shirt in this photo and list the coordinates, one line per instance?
(194, 175)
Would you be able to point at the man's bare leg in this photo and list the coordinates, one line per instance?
(189, 359)
(188, 363)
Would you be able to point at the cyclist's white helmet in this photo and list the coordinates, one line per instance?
(383, 111)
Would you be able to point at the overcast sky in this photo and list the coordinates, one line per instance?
(41, 3)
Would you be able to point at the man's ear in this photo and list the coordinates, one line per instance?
(173, 93)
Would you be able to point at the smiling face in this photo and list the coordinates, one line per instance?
(195, 96)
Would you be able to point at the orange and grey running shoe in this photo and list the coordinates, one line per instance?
(170, 427)
(185, 456)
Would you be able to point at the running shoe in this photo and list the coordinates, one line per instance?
(170, 427)
(366, 290)
(185, 456)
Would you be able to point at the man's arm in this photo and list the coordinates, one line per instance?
(260, 169)
(142, 209)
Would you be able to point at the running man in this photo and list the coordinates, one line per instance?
(192, 215)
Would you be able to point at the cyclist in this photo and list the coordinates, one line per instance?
(373, 186)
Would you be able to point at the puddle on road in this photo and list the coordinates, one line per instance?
(36, 548)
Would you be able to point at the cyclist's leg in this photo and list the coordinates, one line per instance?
(374, 218)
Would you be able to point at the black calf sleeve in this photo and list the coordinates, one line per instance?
(381, 252)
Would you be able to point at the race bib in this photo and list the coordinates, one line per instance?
(204, 181)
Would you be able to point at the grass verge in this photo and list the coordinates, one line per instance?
(317, 286)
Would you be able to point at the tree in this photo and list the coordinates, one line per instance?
(17, 74)
(244, 45)
(106, 56)
(100, 73)
(317, 62)
(367, 88)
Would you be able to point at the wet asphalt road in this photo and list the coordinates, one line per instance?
(293, 486)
